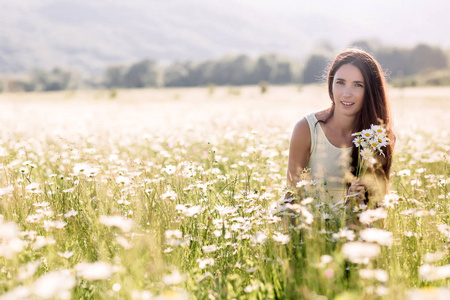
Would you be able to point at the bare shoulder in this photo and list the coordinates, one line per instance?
(301, 135)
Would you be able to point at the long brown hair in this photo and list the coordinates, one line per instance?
(376, 107)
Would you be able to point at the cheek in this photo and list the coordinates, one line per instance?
(361, 95)
(336, 90)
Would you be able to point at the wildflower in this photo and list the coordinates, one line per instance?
(69, 191)
(6, 191)
(33, 188)
(8, 231)
(303, 183)
(444, 229)
(66, 254)
(391, 199)
(433, 257)
(306, 214)
(420, 170)
(251, 288)
(123, 180)
(442, 182)
(117, 221)
(374, 143)
(174, 278)
(42, 241)
(226, 210)
(203, 263)
(371, 215)
(431, 273)
(56, 284)
(281, 238)
(328, 273)
(380, 275)
(366, 134)
(80, 168)
(366, 154)
(94, 271)
(377, 129)
(379, 236)
(116, 287)
(169, 169)
(173, 233)
(359, 252)
(403, 173)
(382, 141)
(91, 172)
(54, 224)
(428, 293)
(209, 249)
(18, 293)
(306, 201)
(124, 242)
(28, 270)
(348, 234)
(259, 237)
(359, 142)
(189, 211)
(169, 195)
(325, 259)
(416, 182)
(70, 213)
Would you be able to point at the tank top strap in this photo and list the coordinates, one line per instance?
(312, 122)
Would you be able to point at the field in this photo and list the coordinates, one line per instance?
(175, 194)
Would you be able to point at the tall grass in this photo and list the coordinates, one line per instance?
(137, 200)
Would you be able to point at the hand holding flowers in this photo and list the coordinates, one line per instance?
(369, 143)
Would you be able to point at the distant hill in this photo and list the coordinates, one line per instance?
(89, 35)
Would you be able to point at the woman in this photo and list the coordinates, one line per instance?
(322, 142)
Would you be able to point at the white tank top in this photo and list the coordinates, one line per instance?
(327, 162)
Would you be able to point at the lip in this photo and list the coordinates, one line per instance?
(347, 103)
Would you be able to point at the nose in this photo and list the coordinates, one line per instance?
(347, 92)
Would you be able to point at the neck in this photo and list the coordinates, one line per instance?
(342, 123)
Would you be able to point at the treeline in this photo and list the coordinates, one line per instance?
(269, 68)
(421, 64)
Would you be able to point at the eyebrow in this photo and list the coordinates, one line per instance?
(357, 81)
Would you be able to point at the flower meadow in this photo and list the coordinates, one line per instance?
(178, 194)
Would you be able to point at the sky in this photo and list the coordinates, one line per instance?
(391, 21)
(89, 34)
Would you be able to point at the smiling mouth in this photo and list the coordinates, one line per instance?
(347, 103)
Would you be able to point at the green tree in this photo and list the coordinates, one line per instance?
(114, 76)
(314, 68)
(54, 80)
(424, 57)
(142, 74)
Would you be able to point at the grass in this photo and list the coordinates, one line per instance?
(148, 195)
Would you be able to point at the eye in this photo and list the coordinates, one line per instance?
(359, 85)
(340, 82)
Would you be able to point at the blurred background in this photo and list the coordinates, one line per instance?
(48, 45)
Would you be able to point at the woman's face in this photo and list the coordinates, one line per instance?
(348, 90)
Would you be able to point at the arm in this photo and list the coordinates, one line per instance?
(299, 148)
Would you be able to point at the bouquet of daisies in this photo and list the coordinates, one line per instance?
(370, 143)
